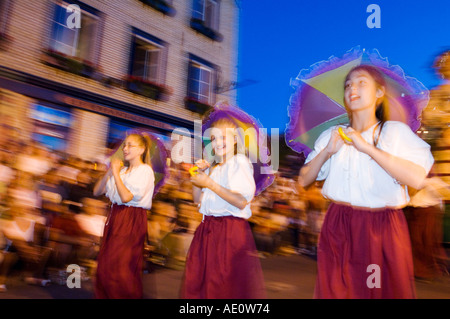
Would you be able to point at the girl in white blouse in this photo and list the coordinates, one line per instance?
(130, 190)
(222, 262)
(364, 247)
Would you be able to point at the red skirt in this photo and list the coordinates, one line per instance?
(120, 259)
(222, 262)
(364, 254)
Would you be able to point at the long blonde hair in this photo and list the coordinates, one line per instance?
(145, 141)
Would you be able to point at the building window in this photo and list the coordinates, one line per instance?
(74, 47)
(4, 12)
(148, 66)
(205, 18)
(163, 6)
(200, 95)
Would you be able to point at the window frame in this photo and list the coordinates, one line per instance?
(5, 11)
(164, 6)
(192, 101)
(4, 15)
(156, 90)
(160, 78)
(200, 22)
(86, 11)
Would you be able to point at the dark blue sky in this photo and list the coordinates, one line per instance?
(280, 38)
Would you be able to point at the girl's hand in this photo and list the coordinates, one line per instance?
(357, 141)
(116, 165)
(202, 165)
(201, 180)
(335, 143)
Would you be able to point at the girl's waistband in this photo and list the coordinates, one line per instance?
(362, 208)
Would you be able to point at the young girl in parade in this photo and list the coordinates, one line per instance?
(364, 247)
(129, 185)
(222, 261)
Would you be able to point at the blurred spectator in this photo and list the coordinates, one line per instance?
(33, 159)
(92, 220)
(6, 176)
(297, 221)
(26, 235)
(80, 189)
(52, 194)
(424, 215)
(265, 232)
(7, 259)
(68, 170)
(67, 239)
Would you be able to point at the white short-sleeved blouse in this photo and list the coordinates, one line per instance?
(236, 174)
(355, 178)
(139, 181)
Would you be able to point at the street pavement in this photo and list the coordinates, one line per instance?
(286, 277)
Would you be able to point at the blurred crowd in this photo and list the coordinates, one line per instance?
(50, 219)
(48, 215)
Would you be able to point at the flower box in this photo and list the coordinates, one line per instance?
(68, 63)
(161, 6)
(196, 106)
(146, 88)
(199, 26)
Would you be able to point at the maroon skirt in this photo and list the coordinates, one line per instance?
(120, 259)
(364, 254)
(222, 262)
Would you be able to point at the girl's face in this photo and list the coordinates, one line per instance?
(361, 91)
(131, 148)
(223, 140)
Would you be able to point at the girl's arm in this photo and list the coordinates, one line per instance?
(196, 194)
(309, 172)
(122, 190)
(231, 197)
(197, 191)
(124, 193)
(404, 171)
(100, 186)
(201, 180)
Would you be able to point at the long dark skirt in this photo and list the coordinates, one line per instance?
(120, 259)
(222, 262)
(364, 254)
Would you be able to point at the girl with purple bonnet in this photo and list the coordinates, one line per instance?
(222, 261)
(130, 187)
(364, 247)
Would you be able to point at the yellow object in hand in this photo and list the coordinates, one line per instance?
(193, 170)
(345, 137)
